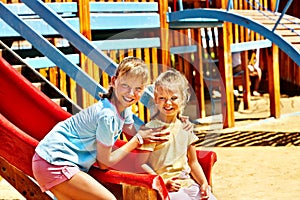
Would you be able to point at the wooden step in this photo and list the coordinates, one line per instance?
(39, 85)
(18, 68)
(60, 102)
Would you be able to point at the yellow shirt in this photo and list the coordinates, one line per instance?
(169, 159)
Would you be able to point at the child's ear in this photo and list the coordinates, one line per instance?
(113, 81)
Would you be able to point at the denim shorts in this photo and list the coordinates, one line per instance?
(48, 175)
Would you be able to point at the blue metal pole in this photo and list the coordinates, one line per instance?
(283, 13)
(277, 5)
(180, 5)
(230, 5)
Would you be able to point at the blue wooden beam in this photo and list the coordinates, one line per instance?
(127, 43)
(183, 49)
(111, 21)
(232, 17)
(44, 62)
(38, 25)
(195, 23)
(245, 46)
(123, 6)
(22, 9)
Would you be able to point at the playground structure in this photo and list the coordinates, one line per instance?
(158, 54)
(36, 116)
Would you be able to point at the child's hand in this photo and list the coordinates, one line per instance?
(154, 134)
(205, 190)
(172, 185)
(187, 124)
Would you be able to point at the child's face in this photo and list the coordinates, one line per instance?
(168, 101)
(128, 90)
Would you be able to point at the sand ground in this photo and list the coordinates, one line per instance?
(242, 173)
(248, 173)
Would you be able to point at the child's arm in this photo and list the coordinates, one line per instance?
(107, 157)
(148, 134)
(197, 172)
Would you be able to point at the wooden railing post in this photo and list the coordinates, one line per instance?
(225, 67)
(164, 38)
(274, 82)
(85, 63)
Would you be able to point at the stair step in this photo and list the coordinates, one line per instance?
(1, 52)
(38, 85)
(57, 100)
(60, 102)
(18, 68)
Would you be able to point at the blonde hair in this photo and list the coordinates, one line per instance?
(129, 66)
(171, 79)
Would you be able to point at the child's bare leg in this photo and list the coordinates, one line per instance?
(82, 186)
(257, 80)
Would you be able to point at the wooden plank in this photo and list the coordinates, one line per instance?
(286, 32)
(292, 39)
(297, 46)
(21, 182)
(282, 27)
(131, 192)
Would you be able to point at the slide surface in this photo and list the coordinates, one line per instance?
(26, 116)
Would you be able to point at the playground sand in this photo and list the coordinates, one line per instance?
(248, 173)
(242, 173)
